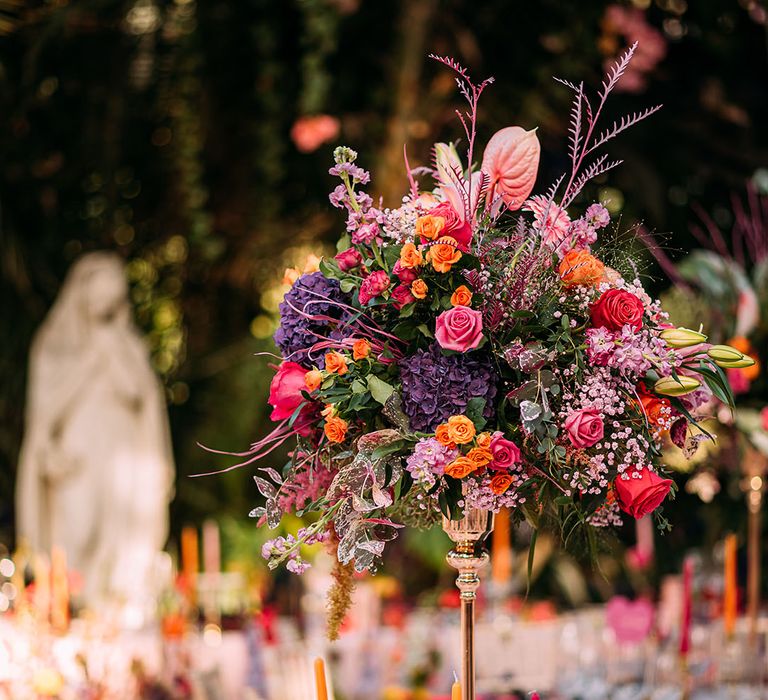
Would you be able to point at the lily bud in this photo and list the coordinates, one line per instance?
(729, 357)
(746, 361)
(682, 337)
(669, 386)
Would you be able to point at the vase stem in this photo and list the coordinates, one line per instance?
(468, 557)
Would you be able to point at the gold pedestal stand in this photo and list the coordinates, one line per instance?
(468, 557)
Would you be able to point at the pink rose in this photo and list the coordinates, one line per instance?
(285, 397)
(639, 496)
(348, 259)
(585, 427)
(405, 274)
(460, 329)
(505, 453)
(374, 285)
(401, 295)
(455, 226)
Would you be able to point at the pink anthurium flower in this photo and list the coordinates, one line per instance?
(510, 162)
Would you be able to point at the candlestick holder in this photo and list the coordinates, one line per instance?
(468, 556)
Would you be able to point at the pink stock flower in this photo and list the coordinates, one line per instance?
(309, 133)
(459, 328)
(454, 226)
(401, 295)
(584, 427)
(365, 234)
(510, 161)
(505, 453)
(553, 222)
(374, 285)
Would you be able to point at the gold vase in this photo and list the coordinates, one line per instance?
(468, 556)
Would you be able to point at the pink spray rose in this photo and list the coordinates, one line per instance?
(505, 453)
(460, 329)
(348, 259)
(401, 295)
(374, 285)
(641, 495)
(405, 274)
(585, 427)
(455, 226)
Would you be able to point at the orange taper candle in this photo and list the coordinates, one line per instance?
(456, 691)
(730, 595)
(322, 686)
(501, 554)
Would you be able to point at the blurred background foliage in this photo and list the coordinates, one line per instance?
(194, 137)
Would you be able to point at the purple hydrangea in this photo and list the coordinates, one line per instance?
(313, 296)
(437, 386)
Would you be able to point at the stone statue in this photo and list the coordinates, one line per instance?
(96, 470)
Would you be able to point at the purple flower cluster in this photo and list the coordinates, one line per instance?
(437, 386)
(629, 351)
(428, 461)
(288, 546)
(310, 313)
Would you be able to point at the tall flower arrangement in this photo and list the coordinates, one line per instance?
(470, 349)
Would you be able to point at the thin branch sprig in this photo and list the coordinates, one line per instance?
(583, 140)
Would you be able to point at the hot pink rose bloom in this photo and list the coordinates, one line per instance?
(585, 427)
(455, 226)
(348, 259)
(459, 329)
(401, 295)
(374, 285)
(285, 390)
(309, 133)
(640, 496)
(405, 274)
(505, 453)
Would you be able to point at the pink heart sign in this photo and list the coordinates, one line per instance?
(631, 621)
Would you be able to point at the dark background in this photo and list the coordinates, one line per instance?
(162, 130)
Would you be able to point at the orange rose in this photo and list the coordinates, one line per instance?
(290, 275)
(462, 296)
(461, 430)
(579, 267)
(313, 379)
(442, 436)
(410, 256)
(656, 410)
(429, 227)
(460, 467)
(444, 254)
(500, 483)
(419, 288)
(483, 440)
(480, 456)
(336, 429)
(361, 349)
(335, 363)
(743, 345)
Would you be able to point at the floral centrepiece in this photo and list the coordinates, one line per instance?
(472, 348)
